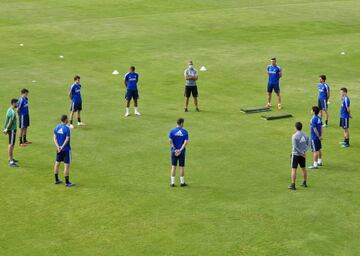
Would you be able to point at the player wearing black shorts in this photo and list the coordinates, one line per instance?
(191, 76)
(10, 130)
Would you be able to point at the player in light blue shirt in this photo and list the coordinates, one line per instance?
(76, 101)
(274, 74)
(345, 117)
(316, 137)
(24, 118)
(131, 79)
(178, 138)
(324, 95)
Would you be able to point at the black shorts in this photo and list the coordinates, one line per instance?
(344, 123)
(12, 137)
(298, 160)
(76, 106)
(176, 159)
(191, 90)
(24, 121)
(132, 94)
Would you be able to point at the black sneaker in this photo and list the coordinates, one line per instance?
(183, 185)
(186, 110)
(13, 164)
(304, 185)
(172, 185)
(292, 187)
(197, 109)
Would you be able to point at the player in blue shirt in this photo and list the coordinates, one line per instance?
(316, 133)
(24, 118)
(76, 101)
(274, 73)
(178, 138)
(130, 80)
(345, 117)
(63, 150)
(324, 95)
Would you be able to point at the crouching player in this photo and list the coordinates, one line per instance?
(300, 144)
(316, 133)
(63, 150)
(345, 117)
(179, 138)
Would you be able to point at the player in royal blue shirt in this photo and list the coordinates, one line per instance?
(24, 118)
(274, 73)
(345, 117)
(63, 150)
(130, 80)
(324, 95)
(178, 138)
(76, 101)
(316, 133)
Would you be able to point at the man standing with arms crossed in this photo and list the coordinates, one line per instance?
(24, 118)
(10, 129)
(76, 101)
(178, 138)
(130, 80)
(275, 73)
(191, 76)
(300, 144)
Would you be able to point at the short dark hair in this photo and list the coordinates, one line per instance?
(180, 121)
(344, 89)
(13, 101)
(298, 126)
(316, 110)
(273, 58)
(323, 77)
(132, 68)
(76, 77)
(23, 91)
(63, 118)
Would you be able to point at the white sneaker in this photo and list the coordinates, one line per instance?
(127, 114)
(81, 124)
(71, 126)
(137, 113)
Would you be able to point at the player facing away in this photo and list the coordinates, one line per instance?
(76, 101)
(10, 130)
(178, 138)
(316, 133)
(24, 118)
(300, 144)
(345, 117)
(131, 79)
(191, 76)
(274, 73)
(324, 95)
(63, 150)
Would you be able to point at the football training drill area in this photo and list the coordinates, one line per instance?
(237, 165)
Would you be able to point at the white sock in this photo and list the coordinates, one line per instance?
(319, 161)
(315, 164)
(127, 110)
(172, 179)
(182, 179)
(136, 109)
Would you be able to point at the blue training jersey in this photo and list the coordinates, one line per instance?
(324, 90)
(178, 136)
(274, 74)
(131, 79)
(345, 104)
(315, 122)
(61, 132)
(75, 93)
(23, 106)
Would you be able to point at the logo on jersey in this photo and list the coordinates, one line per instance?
(302, 139)
(179, 133)
(60, 131)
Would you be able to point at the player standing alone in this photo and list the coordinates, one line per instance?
(191, 76)
(24, 118)
(63, 150)
(130, 80)
(316, 133)
(300, 144)
(178, 138)
(345, 117)
(324, 95)
(76, 101)
(10, 129)
(274, 73)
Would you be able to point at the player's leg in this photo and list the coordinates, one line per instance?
(304, 173)
(136, 98)
(12, 138)
(346, 137)
(128, 100)
(67, 161)
(172, 175)
(319, 161)
(182, 169)
(270, 89)
(293, 165)
(187, 95)
(195, 95)
(56, 172)
(21, 136)
(72, 111)
(277, 91)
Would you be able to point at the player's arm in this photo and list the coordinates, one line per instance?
(328, 93)
(58, 148)
(280, 73)
(171, 143)
(317, 133)
(65, 142)
(70, 93)
(183, 146)
(347, 105)
(19, 105)
(195, 77)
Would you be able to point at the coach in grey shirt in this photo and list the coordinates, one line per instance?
(300, 144)
(191, 76)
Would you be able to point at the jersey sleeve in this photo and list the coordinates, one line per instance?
(171, 135)
(67, 133)
(20, 103)
(55, 131)
(186, 137)
(126, 77)
(280, 69)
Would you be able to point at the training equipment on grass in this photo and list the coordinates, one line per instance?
(61, 57)
(255, 110)
(115, 72)
(277, 116)
(203, 68)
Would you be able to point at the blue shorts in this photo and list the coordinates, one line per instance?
(76, 106)
(176, 159)
(273, 87)
(24, 121)
(344, 123)
(131, 94)
(315, 145)
(63, 156)
(322, 104)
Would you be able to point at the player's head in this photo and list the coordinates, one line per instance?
(77, 79)
(132, 69)
(273, 61)
(13, 103)
(322, 78)
(180, 122)
(190, 63)
(64, 119)
(315, 110)
(24, 92)
(298, 126)
(343, 91)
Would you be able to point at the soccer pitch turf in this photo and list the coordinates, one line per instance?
(237, 165)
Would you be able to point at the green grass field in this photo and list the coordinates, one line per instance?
(237, 165)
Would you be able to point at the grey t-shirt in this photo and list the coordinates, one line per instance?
(190, 72)
(300, 143)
